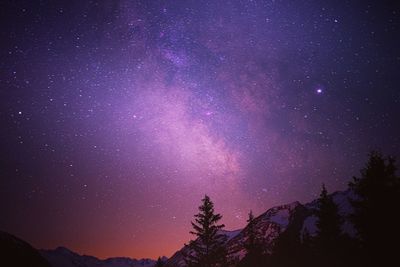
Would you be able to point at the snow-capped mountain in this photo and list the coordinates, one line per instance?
(270, 225)
(277, 220)
(63, 257)
(342, 200)
(178, 258)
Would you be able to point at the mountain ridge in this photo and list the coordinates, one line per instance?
(275, 221)
(64, 257)
(270, 224)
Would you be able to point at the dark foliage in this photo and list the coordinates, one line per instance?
(288, 249)
(326, 248)
(376, 221)
(376, 202)
(159, 262)
(208, 249)
(15, 252)
(376, 216)
(255, 255)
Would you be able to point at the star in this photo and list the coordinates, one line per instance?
(134, 104)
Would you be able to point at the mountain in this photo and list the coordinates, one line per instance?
(63, 257)
(342, 200)
(15, 252)
(294, 218)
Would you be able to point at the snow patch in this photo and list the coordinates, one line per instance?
(231, 234)
(281, 217)
(310, 226)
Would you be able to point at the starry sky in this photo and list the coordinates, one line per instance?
(118, 116)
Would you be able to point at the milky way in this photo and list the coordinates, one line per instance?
(118, 116)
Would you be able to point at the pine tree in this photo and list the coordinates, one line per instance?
(254, 248)
(307, 245)
(288, 250)
(329, 233)
(376, 208)
(159, 262)
(329, 221)
(208, 249)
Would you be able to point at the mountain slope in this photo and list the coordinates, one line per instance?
(295, 217)
(63, 257)
(15, 252)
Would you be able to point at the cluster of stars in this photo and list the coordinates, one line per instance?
(117, 118)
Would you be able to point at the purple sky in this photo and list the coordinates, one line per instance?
(118, 116)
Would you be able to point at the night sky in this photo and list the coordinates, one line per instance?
(116, 117)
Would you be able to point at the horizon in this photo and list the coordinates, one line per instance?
(105, 257)
(191, 236)
(155, 258)
(117, 117)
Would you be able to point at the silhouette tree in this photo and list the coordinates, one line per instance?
(208, 249)
(254, 248)
(328, 242)
(376, 208)
(159, 262)
(288, 249)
